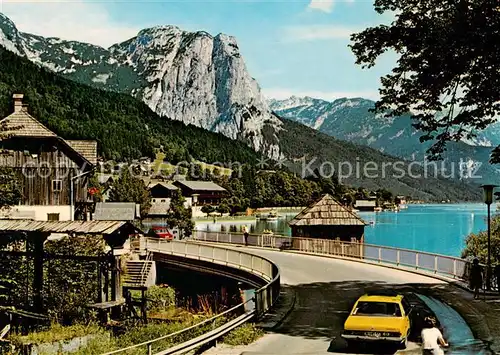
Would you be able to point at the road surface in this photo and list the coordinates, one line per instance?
(326, 290)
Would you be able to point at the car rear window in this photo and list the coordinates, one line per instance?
(388, 309)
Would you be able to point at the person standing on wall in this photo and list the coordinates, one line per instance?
(476, 278)
(245, 235)
(497, 277)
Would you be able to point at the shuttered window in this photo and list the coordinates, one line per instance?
(56, 185)
(52, 216)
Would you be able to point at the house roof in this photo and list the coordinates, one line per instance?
(104, 178)
(116, 211)
(159, 209)
(166, 185)
(86, 148)
(79, 227)
(200, 185)
(22, 124)
(327, 212)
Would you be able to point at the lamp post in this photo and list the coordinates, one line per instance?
(488, 200)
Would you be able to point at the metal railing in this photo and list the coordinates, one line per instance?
(264, 297)
(443, 265)
(146, 269)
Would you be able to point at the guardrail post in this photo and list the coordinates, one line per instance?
(342, 245)
(230, 239)
(435, 264)
(455, 268)
(252, 259)
(398, 260)
(150, 350)
(379, 255)
(217, 237)
(416, 260)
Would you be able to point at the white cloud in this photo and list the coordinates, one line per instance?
(324, 5)
(318, 32)
(70, 20)
(321, 5)
(282, 94)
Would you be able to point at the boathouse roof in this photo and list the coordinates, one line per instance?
(77, 227)
(327, 211)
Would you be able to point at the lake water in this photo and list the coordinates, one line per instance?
(438, 229)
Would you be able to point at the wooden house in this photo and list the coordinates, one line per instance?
(202, 192)
(365, 205)
(328, 219)
(160, 191)
(54, 172)
(161, 194)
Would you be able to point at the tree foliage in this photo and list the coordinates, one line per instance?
(476, 245)
(256, 189)
(207, 209)
(10, 187)
(70, 285)
(448, 72)
(128, 188)
(179, 215)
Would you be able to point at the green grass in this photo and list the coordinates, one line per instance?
(139, 334)
(56, 333)
(103, 342)
(243, 335)
(160, 165)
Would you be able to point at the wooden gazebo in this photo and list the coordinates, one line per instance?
(328, 219)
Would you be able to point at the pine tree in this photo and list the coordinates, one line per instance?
(129, 188)
(179, 216)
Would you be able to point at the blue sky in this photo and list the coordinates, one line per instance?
(290, 47)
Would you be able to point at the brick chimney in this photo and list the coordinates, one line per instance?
(18, 102)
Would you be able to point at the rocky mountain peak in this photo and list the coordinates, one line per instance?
(192, 77)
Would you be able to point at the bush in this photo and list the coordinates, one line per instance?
(476, 245)
(159, 298)
(243, 335)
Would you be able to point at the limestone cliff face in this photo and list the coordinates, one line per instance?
(187, 76)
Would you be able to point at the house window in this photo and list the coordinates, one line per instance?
(154, 200)
(56, 185)
(52, 216)
(163, 201)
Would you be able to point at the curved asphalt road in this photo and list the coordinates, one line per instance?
(326, 289)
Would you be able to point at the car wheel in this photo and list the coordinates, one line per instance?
(351, 345)
(404, 344)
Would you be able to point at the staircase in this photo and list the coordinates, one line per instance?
(140, 274)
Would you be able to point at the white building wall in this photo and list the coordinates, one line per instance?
(38, 213)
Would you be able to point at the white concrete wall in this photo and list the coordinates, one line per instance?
(166, 203)
(38, 213)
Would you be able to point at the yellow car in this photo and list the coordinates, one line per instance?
(378, 318)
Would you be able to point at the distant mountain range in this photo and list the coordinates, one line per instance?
(350, 120)
(186, 79)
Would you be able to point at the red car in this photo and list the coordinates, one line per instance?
(162, 232)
